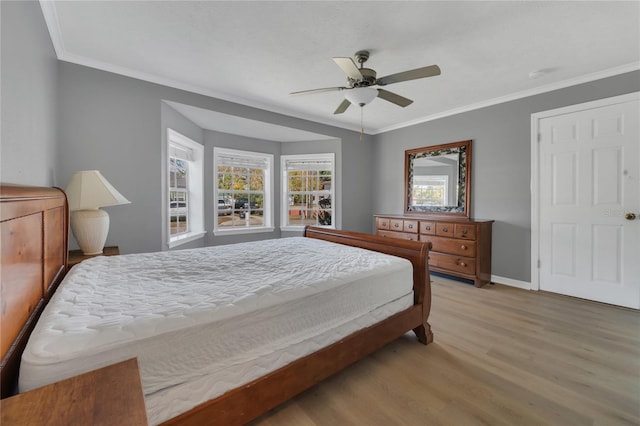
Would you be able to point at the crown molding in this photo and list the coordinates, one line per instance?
(152, 78)
(634, 66)
(51, 20)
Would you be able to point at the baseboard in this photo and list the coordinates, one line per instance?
(511, 282)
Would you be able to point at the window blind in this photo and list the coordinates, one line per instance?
(181, 152)
(243, 161)
(308, 165)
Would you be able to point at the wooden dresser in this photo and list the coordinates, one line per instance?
(459, 247)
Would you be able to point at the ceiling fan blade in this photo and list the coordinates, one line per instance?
(349, 67)
(430, 71)
(394, 98)
(324, 89)
(342, 107)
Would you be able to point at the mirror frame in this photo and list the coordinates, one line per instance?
(463, 209)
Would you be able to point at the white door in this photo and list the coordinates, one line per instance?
(589, 201)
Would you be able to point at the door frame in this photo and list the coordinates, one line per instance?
(535, 170)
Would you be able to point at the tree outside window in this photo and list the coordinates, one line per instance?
(243, 191)
(308, 189)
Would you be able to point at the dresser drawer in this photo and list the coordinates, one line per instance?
(445, 229)
(464, 230)
(382, 223)
(427, 227)
(396, 225)
(411, 226)
(451, 246)
(401, 235)
(465, 265)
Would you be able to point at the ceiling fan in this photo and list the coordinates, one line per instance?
(360, 81)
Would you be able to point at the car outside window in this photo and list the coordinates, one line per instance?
(308, 190)
(243, 188)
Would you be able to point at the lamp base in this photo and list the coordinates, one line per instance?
(90, 229)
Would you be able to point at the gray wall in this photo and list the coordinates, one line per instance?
(501, 168)
(58, 118)
(29, 95)
(115, 124)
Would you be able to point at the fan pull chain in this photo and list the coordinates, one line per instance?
(361, 122)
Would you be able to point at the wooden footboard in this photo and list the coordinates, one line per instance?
(34, 247)
(417, 253)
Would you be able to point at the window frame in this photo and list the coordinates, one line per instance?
(194, 156)
(174, 190)
(268, 191)
(284, 210)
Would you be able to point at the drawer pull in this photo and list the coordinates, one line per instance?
(462, 264)
(445, 229)
(463, 247)
(410, 226)
(395, 225)
(428, 228)
(464, 231)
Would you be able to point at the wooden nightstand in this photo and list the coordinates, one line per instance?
(76, 256)
(109, 396)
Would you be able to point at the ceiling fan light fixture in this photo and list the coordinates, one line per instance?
(361, 95)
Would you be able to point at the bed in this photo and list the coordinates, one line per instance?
(34, 252)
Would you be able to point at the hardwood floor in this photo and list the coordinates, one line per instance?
(501, 356)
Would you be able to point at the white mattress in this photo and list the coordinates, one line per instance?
(170, 402)
(160, 308)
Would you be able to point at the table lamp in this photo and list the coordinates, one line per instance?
(88, 190)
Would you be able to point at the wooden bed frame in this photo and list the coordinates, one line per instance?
(34, 247)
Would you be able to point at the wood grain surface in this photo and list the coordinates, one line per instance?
(501, 356)
(108, 396)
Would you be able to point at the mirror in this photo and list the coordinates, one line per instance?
(438, 180)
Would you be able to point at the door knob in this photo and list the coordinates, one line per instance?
(630, 216)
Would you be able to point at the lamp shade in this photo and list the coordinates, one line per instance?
(88, 189)
(361, 95)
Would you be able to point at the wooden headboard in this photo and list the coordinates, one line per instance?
(34, 250)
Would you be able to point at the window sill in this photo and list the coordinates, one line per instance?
(237, 231)
(186, 238)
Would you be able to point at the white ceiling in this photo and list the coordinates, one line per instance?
(235, 125)
(256, 53)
